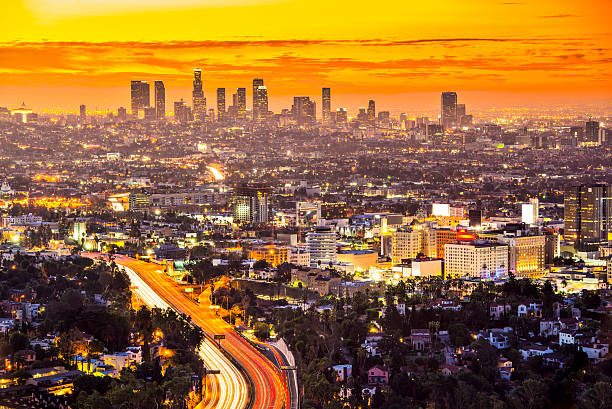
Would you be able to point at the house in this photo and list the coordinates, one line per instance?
(550, 328)
(343, 372)
(531, 309)
(378, 375)
(595, 350)
(498, 337)
(371, 344)
(447, 369)
(497, 311)
(420, 339)
(505, 368)
(534, 350)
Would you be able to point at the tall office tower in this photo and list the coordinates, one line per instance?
(257, 110)
(407, 243)
(241, 102)
(326, 105)
(371, 111)
(220, 104)
(199, 102)
(182, 113)
(139, 96)
(460, 114)
(303, 110)
(262, 95)
(341, 116)
(160, 100)
(251, 203)
(588, 215)
(83, 113)
(321, 245)
(122, 113)
(591, 132)
(449, 109)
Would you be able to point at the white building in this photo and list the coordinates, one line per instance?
(406, 244)
(321, 246)
(476, 259)
(530, 211)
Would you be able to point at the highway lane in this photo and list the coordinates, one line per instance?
(271, 391)
(223, 391)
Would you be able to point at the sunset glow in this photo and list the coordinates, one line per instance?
(402, 53)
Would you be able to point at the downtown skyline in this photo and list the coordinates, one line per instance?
(514, 53)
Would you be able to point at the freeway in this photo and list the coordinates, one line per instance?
(223, 391)
(270, 389)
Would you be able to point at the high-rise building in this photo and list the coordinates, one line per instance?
(251, 204)
(475, 259)
(241, 102)
(448, 117)
(303, 110)
(591, 132)
(160, 100)
(122, 113)
(326, 105)
(341, 116)
(262, 105)
(588, 214)
(199, 102)
(182, 113)
(83, 114)
(322, 247)
(526, 254)
(407, 243)
(220, 104)
(257, 98)
(530, 211)
(371, 111)
(140, 96)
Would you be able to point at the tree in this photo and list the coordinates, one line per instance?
(531, 394)
(459, 334)
(599, 396)
(144, 325)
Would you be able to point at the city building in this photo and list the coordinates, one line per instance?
(326, 105)
(371, 111)
(140, 97)
(526, 254)
(322, 247)
(240, 102)
(406, 244)
(199, 102)
(530, 211)
(220, 104)
(274, 255)
(448, 117)
(260, 99)
(475, 259)
(251, 204)
(83, 114)
(303, 110)
(588, 214)
(160, 100)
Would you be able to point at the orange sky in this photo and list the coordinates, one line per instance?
(61, 53)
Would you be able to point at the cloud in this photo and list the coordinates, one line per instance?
(560, 16)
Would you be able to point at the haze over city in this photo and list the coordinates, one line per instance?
(291, 204)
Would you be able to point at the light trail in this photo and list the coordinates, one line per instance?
(227, 390)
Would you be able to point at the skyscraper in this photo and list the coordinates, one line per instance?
(371, 111)
(449, 109)
(262, 94)
(199, 102)
(326, 105)
(140, 97)
(220, 104)
(241, 102)
(122, 113)
(160, 100)
(591, 132)
(257, 110)
(83, 113)
(321, 245)
(303, 110)
(251, 203)
(588, 214)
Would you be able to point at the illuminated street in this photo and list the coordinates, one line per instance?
(230, 390)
